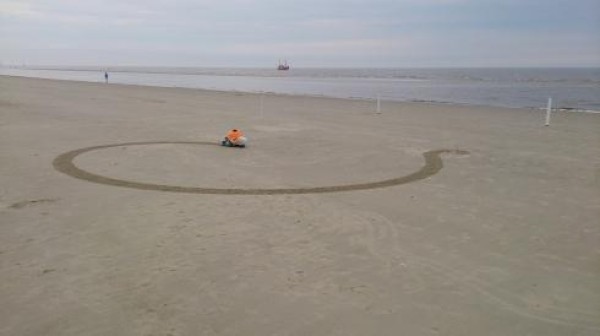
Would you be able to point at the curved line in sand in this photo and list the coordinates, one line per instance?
(64, 164)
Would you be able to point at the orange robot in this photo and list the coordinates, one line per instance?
(234, 138)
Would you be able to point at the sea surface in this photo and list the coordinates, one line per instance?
(576, 89)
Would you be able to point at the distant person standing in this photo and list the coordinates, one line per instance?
(106, 77)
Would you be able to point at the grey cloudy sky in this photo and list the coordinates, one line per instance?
(363, 33)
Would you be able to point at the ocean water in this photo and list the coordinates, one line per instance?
(570, 88)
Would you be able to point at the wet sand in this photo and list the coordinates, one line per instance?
(494, 232)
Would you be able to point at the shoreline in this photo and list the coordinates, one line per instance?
(364, 99)
(276, 94)
(384, 98)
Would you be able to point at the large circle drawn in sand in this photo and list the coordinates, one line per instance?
(64, 163)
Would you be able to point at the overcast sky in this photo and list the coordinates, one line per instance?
(310, 33)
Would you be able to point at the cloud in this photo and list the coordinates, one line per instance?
(353, 32)
(17, 9)
(332, 47)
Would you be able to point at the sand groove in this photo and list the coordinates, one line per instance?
(64, 164)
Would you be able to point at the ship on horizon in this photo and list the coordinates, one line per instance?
(283, 66)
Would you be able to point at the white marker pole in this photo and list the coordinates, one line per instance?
(378, 104)
(548, 111)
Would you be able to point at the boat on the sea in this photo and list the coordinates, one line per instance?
(283, 66)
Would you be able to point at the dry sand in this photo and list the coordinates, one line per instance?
(504, 240)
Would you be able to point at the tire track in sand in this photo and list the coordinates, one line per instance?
(383, 244)
(64, 163)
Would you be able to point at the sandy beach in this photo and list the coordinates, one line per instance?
(121, 215)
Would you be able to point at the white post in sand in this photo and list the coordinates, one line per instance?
(548, 111)
(378, 104)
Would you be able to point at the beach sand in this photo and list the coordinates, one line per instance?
(500, 239)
